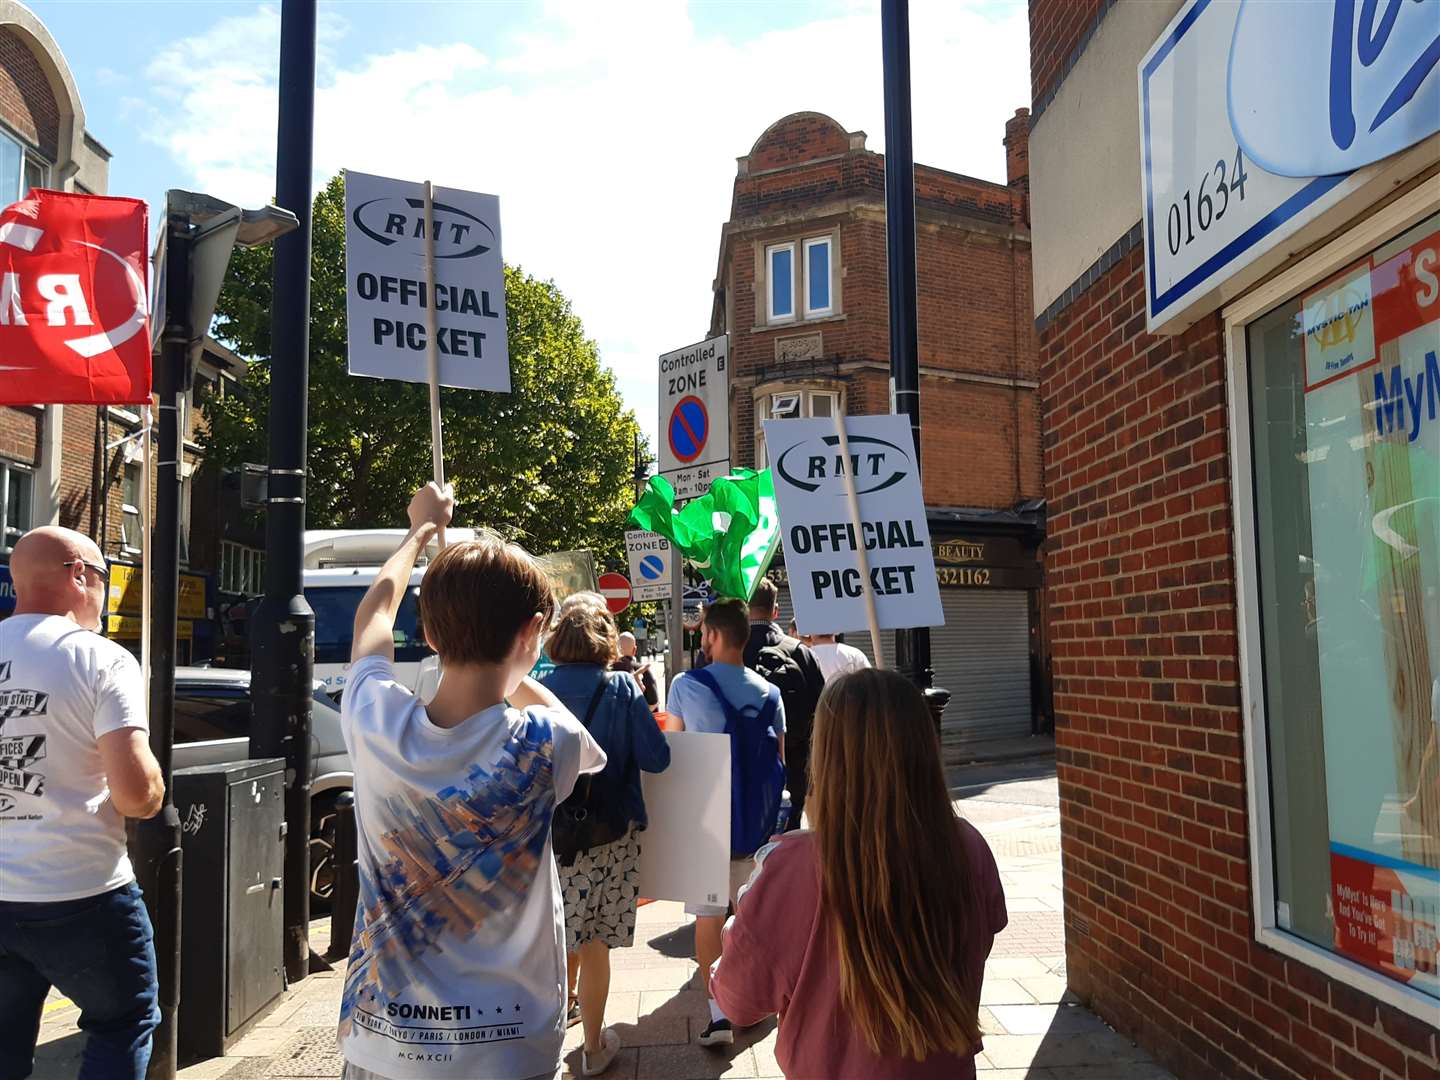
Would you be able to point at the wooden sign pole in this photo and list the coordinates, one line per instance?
(867, 586)
(432, 351)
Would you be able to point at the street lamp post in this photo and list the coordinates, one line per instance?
(283, 644)
(912, 647)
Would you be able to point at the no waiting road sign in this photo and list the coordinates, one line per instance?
(616, 591)
(695, 415)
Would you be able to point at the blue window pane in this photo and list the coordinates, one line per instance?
(782, 290)
(818, 276)
(10, 164)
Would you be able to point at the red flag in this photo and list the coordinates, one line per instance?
(73, 301)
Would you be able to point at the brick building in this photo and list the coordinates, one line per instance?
(1243, 599)
(801, 290)
(72, 465)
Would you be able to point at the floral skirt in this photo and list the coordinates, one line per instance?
(601, 889)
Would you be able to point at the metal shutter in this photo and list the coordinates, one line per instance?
(982, 656)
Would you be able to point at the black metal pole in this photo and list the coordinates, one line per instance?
(912, 647)
(156, 843)
(284, 625)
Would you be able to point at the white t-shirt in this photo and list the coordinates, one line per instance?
(61, 689)
(458, 965)
(837, 658)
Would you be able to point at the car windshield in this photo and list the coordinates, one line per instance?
(335, 620)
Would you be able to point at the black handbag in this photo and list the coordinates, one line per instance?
(579, 823)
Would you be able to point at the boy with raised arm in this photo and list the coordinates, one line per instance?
(457, 968)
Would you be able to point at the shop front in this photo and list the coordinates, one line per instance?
(987, 653)
(124, 621)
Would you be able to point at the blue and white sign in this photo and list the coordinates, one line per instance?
(650, 561)
(695, 416)
(1245, 126)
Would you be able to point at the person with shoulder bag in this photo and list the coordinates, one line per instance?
(596, 830)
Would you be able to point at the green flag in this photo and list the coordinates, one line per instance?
(728, 534)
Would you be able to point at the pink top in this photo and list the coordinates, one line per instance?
(778, 949)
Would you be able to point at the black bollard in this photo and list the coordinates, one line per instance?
(346, 894)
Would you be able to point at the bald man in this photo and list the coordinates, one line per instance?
(75, 761)
(626, 661)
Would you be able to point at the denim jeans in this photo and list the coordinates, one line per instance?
(99, 953)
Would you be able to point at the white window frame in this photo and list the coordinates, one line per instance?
(771, 250)
(812, 242)
(27, 521)
(1384, 224)
(130, 511)
(764, 403)
(242, 569)
(28, 156)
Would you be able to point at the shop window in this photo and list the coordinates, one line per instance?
(1343, 389)
(17, 489)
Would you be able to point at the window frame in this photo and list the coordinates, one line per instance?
(829, 308)
(1357, 241)
(770, 252)
(29, 156)
(764, 398)
(131, 511)
(27, 520)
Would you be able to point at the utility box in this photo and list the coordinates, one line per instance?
(232, 817)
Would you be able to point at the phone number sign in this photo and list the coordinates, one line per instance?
(1241, 131)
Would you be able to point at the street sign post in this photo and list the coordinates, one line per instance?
(695, 415)
(651, 562)
(616, 591)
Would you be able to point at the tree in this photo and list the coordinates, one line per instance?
(549, 463)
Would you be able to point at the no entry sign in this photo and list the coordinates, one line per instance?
(616, 591)
(695, 415)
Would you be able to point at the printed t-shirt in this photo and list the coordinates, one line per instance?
(780, 948)
(61, 689)
(458, 966)
(837, 658)
(695, 704)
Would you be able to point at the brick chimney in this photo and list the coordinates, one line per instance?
(1017, 149)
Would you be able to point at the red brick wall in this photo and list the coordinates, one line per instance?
(1057, 27)
(1150, 756)
(27, 101)
(20, 435)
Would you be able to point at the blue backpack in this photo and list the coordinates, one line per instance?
(757, 775)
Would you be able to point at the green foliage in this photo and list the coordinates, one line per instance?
(549, 463)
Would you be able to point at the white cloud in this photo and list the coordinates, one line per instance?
(609, 131)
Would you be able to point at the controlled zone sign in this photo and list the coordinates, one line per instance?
(616, 591)
(695, 415)
(820, 541)
(386, 297)
(651, 560)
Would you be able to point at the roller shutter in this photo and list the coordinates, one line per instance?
(982, 656)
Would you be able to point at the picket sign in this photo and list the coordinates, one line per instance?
(867, 586)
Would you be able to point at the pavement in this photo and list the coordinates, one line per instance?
(1034, 1028)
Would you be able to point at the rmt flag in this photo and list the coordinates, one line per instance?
(73, 307)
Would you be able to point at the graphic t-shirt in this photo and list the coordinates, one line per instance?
(458, 963)
(837, 658)
(61, 689)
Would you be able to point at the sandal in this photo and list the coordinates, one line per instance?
(572, 1012)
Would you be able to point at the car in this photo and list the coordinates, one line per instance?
(212, 726)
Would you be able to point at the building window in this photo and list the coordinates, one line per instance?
(242, 569)
(1342, 622)
(130, 538)
(817, 276)
(17, 488)
(20, 169)
(791, 404)
(185, 488)
(780, 260)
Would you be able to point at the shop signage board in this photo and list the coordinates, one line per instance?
(820, 541)
(650, 565)
(695, 415)
(1372, 379)
(1253, 121)
(386, 298)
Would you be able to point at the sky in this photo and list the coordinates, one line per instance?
(609, 129)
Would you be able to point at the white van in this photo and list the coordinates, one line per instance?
(340, 564)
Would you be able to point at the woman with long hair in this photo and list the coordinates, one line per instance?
(868, 933)
(596, 833)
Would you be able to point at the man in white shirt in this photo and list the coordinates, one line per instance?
(835, 657)
(75, 761)
(459, 964)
